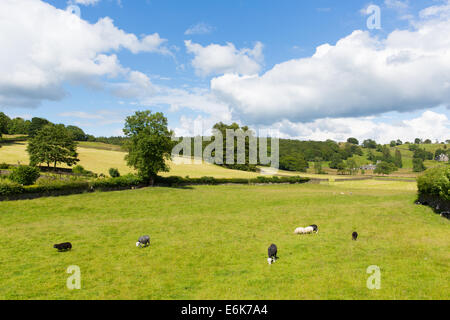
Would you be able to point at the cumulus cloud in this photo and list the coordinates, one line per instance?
(360, 75)
(218, 59)
(429, 125)
(38, 58)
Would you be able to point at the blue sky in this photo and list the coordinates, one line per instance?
(255, 62)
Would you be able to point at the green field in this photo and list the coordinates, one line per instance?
(99, 157)
(211, 243)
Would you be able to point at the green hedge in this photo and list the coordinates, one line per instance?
(8, 188)
(435, 182)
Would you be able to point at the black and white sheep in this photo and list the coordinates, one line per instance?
(272, 252)
(143, 241)
(311, 229)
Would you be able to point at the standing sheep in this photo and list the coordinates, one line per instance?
(272, 251)
(144, 240)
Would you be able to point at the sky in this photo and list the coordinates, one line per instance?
(309, 70)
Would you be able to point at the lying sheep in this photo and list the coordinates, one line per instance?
(272, 251)
(63, 246)
(144, 240)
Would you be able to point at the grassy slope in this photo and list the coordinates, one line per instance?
(97, 158)
(211, 242)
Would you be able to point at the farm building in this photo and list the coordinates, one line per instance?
(368, 167)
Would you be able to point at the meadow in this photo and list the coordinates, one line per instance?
(211, 243)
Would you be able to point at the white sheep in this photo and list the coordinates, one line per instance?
(304, 230)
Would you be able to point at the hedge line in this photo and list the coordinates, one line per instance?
(128, 181)
(435, 182)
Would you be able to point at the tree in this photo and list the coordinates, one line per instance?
(370, 144)
(149, 145)
(4, 123)
(398, 159)
(385, 168)
(399, 142)
(245, 151)
(393, 143)
(353, 141)
(427, 141)
(318, 166)
(77, 133)
(291, 163)
(18, 126)
(335, 161)
(418, 165)
(417, 141)
(36, 125)
(352, 166)
(53, 144)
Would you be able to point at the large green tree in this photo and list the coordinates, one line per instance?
(4, 122)
(36, 125)
(149, 144)
(53, 144)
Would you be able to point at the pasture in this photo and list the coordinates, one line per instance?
(211, 243)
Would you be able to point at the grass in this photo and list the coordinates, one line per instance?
(98, 158)
(211, 243)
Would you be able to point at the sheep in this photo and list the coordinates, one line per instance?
(354, 235)
(63, 246)
(144, 240)
(315, 227)
(272, 251)
(304, 230)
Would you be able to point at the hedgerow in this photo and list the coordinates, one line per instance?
(8, 188)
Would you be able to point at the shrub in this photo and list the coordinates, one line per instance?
(25, 175)
(4, 166)
(82, 171)
(436, 182)
(10, 188)
(114, 173)
(78, 169)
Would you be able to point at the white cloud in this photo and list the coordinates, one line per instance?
(85, 2)
(199, 28)
(430, 125)
(38, 58)
(218, 59)
(359, 76)
(397, 4)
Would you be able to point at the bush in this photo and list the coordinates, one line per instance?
(25, 175)
(435, 182)
(10, 188)
(81, 171)
(114, 173)
(4, 166)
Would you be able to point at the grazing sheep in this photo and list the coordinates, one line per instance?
(272, 251)
(354, 235)
(304, 230)
(315, 227)
(63, 246)
(144, 240)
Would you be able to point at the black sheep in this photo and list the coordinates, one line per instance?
(63, 246)
(354, 235)
(272, 251)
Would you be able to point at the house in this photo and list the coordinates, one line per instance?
(368, 167)
(442, 158)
